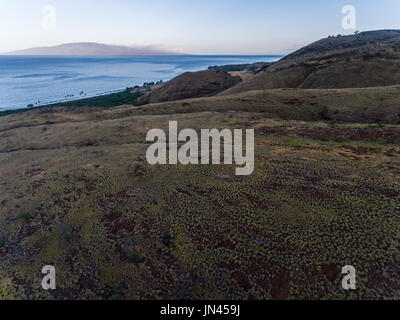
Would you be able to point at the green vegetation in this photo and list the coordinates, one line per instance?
(253, 67)
(66, 237)
(16, 111)
(105, 101)
(134, 258)
(26, 217)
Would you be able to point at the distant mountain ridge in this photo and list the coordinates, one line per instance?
(92, 48)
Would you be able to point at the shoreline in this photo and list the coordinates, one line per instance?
(145, 87)
(55, 103)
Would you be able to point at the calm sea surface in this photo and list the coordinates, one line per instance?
(39, 80)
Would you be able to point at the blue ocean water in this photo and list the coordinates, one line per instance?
(39, 80)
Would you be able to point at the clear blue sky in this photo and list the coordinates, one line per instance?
(190, 26)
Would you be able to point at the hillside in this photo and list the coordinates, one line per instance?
(90, 49)
(76, 192)
(191, 85)
(368, 59)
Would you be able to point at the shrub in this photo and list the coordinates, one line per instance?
(66, 237)
(325, 114)
(90, 143)
(134, 258)
(26, 216)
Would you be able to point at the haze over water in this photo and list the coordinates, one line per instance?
(26, 80)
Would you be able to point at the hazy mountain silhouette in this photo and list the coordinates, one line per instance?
(91, 48)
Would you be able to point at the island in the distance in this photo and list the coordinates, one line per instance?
(93, 49)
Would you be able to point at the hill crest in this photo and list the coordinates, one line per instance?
(367, 59)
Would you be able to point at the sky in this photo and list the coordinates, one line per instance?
(188, 26)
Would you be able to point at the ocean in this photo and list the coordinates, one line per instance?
(40, 80)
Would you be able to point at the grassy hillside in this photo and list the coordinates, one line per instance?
(368, 59)
(364, 105)
(76, 192)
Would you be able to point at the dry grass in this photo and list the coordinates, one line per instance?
(77, 193)
(366, 60)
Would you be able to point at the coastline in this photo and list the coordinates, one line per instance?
(136, 91)
(60, 102)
